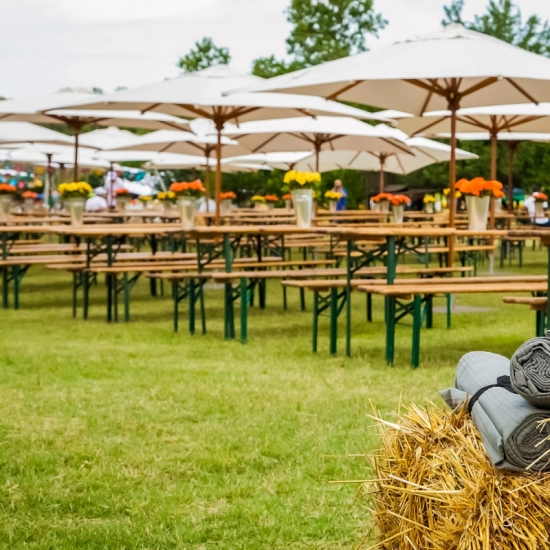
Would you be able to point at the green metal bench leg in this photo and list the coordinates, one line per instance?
(449, 310)
(262, 293)
(369, 307)
(126, 299)
(417, 324)
(203, 311)
(302, 300)
(115, 297)
(430, 312)
(333, 320)
(86, 294)
(244, 310)
(315, 320)
(284, 298)
(192, 306)
(390, 331)
(75, 284)
(176, 309)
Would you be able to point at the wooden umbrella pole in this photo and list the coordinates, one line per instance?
(75, 171)
(512, 146)
(207, 178)
(494, 153)
(317, 152)
(47, 187)
(218, 190)
(453, 106)
(382, 177)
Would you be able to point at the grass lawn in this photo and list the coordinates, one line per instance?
(131, 436)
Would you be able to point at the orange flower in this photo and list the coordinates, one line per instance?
(400, 199)
(188, 189)
(7, 189)
(271, 198)
(479, 187)
(227, 196)
(287, 197)
(382, 197)
(29, 195)
(119, 192)
(538, 196)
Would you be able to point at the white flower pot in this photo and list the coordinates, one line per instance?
(498, 206)
(225, 207)
(28, 205)
(288, 204)
(122, 202)
(429, 207)
(384, 207)
(332, 205)
(186, 207)
(5, 204)
(398, 213)
(437, 206)
(478, 212)
(261, 206)
(270, 205)
(76, 210)
(303, 206)
(539, 209)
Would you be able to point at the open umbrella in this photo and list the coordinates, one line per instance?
(203, 94)
(318, 134)
(170, 161)
(43, 109)
(447, 69)
(283, 161)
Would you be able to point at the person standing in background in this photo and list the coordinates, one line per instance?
(343, 201)
(112, 182)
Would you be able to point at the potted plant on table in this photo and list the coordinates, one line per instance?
(429, 202)
(382, 202)
(478, 193)
(7, 192)
(122, 197)
(187, 194)
(398, 203)
(259, 202)
(226, 202)
(301, 186)
(288, 201)
(271, 200)
(74, 195)
(540, 199)
(332, 197)
(166, 199)
(28, 200)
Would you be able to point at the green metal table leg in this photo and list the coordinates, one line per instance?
(284, 298)
(86, 293)
(115, 297)
(348, 302)
(417, 324)
(302, 300)
(109, 280)
(262, 293)
(191, 306)
(430, 312)
(333, 320)
(126, 298)
(75, 283)
(449, 310)
(244, 310)
(175, 297)
(390, 331)
(369, 307)
(315, 320)
(201, 300)
(16, 281)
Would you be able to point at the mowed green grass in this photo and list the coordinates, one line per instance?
(130, 436)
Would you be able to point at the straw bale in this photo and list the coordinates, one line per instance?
(435, 488)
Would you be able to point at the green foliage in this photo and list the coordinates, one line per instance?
(324, 30)
(503, 20)
(268, 67)
(204, 54)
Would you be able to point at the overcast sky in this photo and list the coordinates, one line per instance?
(49, 44)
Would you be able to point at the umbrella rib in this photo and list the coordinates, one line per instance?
(342, 90)
(479, 86)
(521, 90)
(512, 122)
(400, 164)
(396, 145)
(150, 108)
(354, 157)
(425, 105)
(468, 119)
(271, 138)
(421, 130)
(196, 110)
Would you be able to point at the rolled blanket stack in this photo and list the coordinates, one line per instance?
(530, 371)
(508, 424)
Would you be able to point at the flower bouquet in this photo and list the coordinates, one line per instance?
(540, 199)
(333, 197)
(429, 202)
(382, 202)
(271, 200)
(478, 193)
(7, 193)
(301, 186)
(75, 195)
(226, 202)
(186, 195)
(398, 203)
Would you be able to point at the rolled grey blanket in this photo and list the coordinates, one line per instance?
(530, 371)
(507, 423)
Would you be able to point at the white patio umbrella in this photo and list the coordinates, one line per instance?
(283, 161)
(203, 95)
(318, 134)
(448, 69)
(425, 153)
(44, 109)
(106, 138)
(25, 132)
(172, 161)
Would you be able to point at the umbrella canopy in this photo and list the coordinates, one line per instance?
(25, 132)
(37, 154)
(425, 153)
(447, 69)
(204, 94)
(282, 161)
(318, 134)
(176, 162)
(107, 138)
(44, 109)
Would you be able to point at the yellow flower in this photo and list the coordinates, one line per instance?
(333, 195)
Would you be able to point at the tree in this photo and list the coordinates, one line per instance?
(323, 30)
(503, 20)
(204, 54)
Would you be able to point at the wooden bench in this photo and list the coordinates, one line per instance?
(422, 293)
